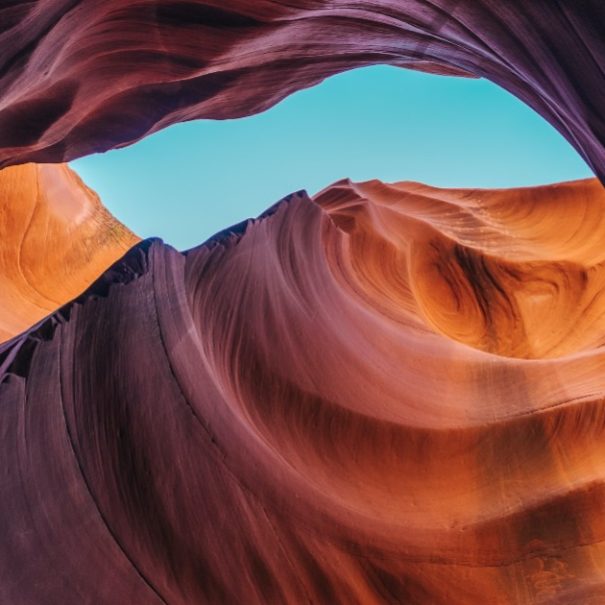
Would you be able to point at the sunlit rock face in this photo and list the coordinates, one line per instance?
(78, 76)
(55, 239)
(514, 272)
(388, 394)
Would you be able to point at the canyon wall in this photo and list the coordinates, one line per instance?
(80, 76)
(56, 238)
(389, 393)
(348, 400)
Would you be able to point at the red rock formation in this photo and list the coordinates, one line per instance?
(392, 395)
(348, 401)
(78, 76)
(55, 239)
(515, 272)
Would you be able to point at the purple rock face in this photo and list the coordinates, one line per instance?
(387, 394)
(79, 76)
(273, 418)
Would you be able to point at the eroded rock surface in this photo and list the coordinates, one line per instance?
(79, 76)
(388, 394)
(346, 401)
(56, 238)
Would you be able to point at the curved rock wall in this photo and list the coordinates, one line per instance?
(287, 415)
(79, 76)
(55, 239)
(387, 394)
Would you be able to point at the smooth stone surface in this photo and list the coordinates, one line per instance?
(80, 76)
(56, 238)
(345, 401)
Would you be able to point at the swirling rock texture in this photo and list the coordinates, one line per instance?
(56, 238)
(349, 400)
(387, 394)
(78, 76)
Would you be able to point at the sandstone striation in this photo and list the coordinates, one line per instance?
(348, 400)
(385, 394)
(56, 238)
(79, 76)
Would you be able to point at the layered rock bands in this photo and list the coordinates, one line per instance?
(352, 399)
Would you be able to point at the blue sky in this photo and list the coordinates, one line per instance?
(191, 180)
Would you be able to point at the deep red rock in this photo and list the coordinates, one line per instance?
(78, 76)
(283, 415)
(390, 394)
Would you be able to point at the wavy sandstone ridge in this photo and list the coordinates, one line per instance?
(390, 394)
(292, 413)
(519, 273)
(56, 239)
(79, 76)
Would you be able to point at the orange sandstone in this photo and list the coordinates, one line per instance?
(388, 394)
(56, 239)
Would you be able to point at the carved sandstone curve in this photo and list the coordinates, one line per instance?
(79, 76)
(56, 239)
(270, 417)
